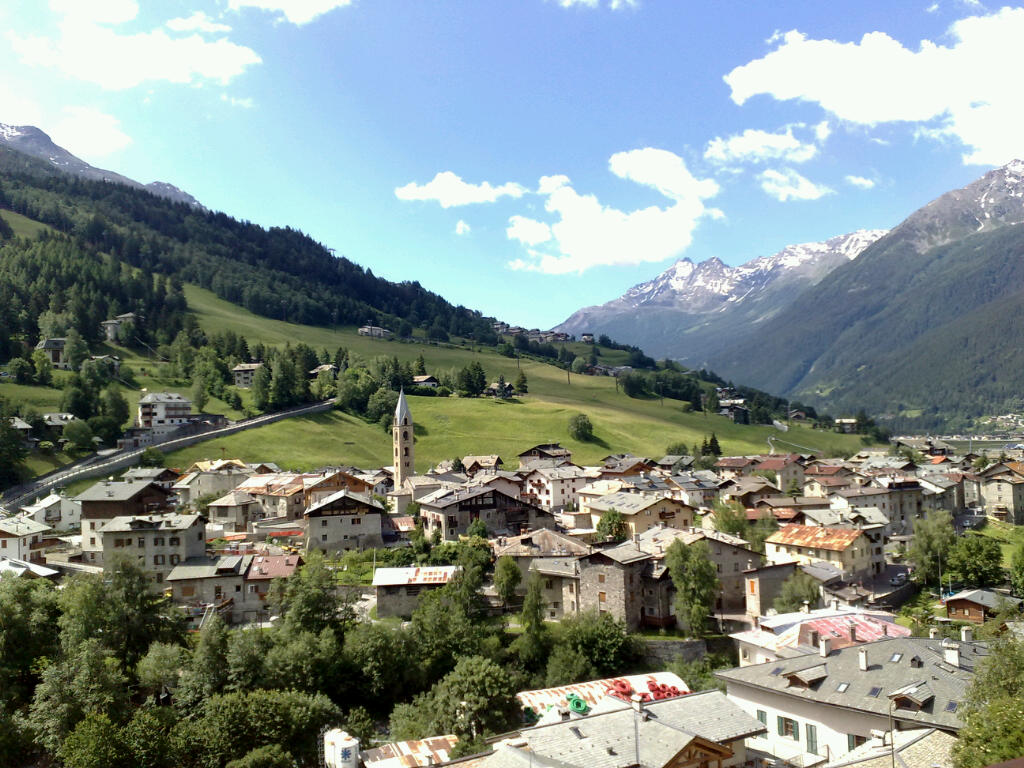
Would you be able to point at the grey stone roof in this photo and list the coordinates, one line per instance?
(894, 665)
(210, 567)
(984, 597)
(627, 503)
(609, 740)
(916, 748)
(163, 397)
(106, 490)
(362, 498)
(134, 523)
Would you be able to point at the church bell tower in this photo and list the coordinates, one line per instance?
(402, 438)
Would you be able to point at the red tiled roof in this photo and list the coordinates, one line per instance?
(793, 535)
(265, 567)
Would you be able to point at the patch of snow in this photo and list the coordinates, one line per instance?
(8, 132)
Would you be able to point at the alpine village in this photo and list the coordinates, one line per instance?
(262, 508)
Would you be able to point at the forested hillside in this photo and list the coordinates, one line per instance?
(923, 327)
(284, 274)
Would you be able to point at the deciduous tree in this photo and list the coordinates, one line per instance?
(693, 575)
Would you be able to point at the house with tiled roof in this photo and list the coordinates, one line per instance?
(1001, 491)
(787, 469)
(729, 467)
(784, 636)
(541, 544)
(399, 589)
(846, 548)
(643, 511)
(451, 509)
(697, 730)
(473, 464)
(822, 705)
(265, 568)
(344, 520)
(555, 487)
(977, 605)
(157, 542)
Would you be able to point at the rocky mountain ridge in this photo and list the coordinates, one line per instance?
(34, 142)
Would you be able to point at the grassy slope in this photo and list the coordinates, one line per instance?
(449, 427)
(22, 226)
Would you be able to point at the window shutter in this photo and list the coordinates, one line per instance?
(781, 721)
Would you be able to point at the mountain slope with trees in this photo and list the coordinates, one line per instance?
(925, 323)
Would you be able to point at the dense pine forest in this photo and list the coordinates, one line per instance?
(286, 275)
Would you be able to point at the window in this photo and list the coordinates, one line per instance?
(174, 541)
(142, 543)
(896, 657)
(253, 589)
(323, 523)
(548, 584)
(601, 597)
(323, 537)
(158, 541)
(788, 728)
(875, 690)
(355, 521)
(762, 716)
(951, 706)
(841, 688)
(811, 737)
(600, 578)
(853, 741)
(238, 587)
(187, 591)
(158, 559)
(174, 559)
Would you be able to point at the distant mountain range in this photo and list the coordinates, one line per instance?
(686, 311)
(925, 322)
(31, 141)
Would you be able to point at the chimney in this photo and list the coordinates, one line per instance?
(806, 607)
(951, 653)
(862, 659)
(966, 635)
(853, 631)
(637, 702)
(824, 646)
(885, 629)
(933, 633)
(835, 604)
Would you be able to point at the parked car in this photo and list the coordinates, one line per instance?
(898, 580)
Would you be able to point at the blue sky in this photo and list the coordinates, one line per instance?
(529, 157)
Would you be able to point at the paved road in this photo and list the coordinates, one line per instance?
(93, 466)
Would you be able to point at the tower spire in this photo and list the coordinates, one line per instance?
(402, 438)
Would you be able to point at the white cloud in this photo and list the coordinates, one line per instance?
(244, 103)
(963, 90)
(787, 184)
(295, 11)
(89, 133)
(932, 8)
(528, 231)
(97, 11)
(197, 22)
(822, 131)
(587, 234)
(860, 181)
(449, 190)
(462, 228)
(98, 54)
(757, 146)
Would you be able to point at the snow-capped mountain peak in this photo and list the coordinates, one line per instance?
(705, 286)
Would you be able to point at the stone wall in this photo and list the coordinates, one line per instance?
(659, 653)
